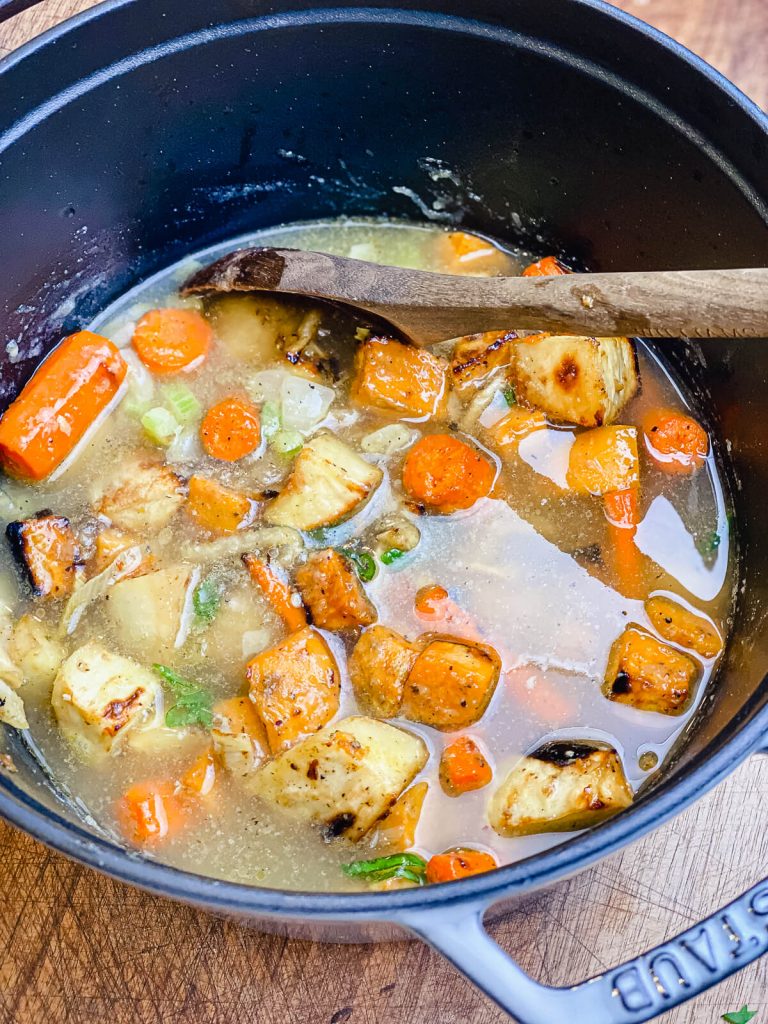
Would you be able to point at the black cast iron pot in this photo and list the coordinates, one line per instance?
(146, 129)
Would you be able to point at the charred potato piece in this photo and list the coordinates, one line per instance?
(396, 829)
(238, 736)
(682, 626)
(561, 787)
(99, 697)
(450, 684)
(46, 550)
(333, 593)
(478, 355)
(329, 482)
(400, 379)
(648, 674)
(144, 498)
(586, 381)
(149, 613)
(295, 687)
(345, 777)
(378, 667)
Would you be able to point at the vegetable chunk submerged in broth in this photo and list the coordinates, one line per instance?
(291, 602)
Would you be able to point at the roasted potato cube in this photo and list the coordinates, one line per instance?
(99, 697)
(12, 708)
(333, 593)
(294, 687)
(378, 667)
(46, 549)
(400, 379)
(144, 498)
(218, 508)
(586, 381)
(681, 626)
(238, 735)
(344, 778)
(254, 328)
(396, 829)
(648, 674)
(561, 787)
(151, 613)
(328, 483)
(36, 651)
(450, 684)
(478, 355)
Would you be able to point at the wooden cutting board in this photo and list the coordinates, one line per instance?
(77, 948)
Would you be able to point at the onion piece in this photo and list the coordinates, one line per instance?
(124, 564)
(395, 437)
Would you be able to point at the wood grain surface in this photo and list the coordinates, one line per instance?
(77, 948)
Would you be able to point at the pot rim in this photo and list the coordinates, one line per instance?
(743, 736)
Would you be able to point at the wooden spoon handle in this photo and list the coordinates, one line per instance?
(431, 307)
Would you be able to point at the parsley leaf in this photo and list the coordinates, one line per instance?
(509, 395)
(398, 865)
(206, 600)
(193, 704)
(741, 1016)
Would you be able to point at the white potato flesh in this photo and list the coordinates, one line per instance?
(151, 613)
(555, 792)
(37, 653)
(144, 498)
(100, 697)
(12, 708)
(344, 777)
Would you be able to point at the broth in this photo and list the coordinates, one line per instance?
(529, 565)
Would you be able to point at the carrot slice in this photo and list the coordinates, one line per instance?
(538, 694)
(460, 863)
(446, 474)
(463, 767)
(231, 429)
(283, 598)
(550, 266)
(675, 442)
(433, 604)
(150, 812)
(621, 510)
(60, 402)
(171, 340)
(216, 507)
(604, 459)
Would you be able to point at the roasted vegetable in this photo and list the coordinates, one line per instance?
(144, 498)
(604, 460)
(682, 626)
(108, 544)
(478, 355)
(464, 767)
(396, 830)
(328, 483)
(294, 687)
(393, 532)
(561, 787)
(218, 508)
(65, 397)
(675, 442)
(239, 737)
(255, 328)
(450, 684)
(549, 266)
(98, 697)
(283, 599)
(648, 674)
(200, 778)
(36, 652)
(12, 707)
(152, 613)
(459, 863)
(333, 593)
(46, 549)
(586, 381)
(378, 667)
(445, 474)
(400, 379)
(517, 424)
(344, 778)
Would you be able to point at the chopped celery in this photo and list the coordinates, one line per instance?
(160, 426)
(270, 420)
(181, 402)
(287, 442)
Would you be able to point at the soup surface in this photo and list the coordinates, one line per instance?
(307, 597)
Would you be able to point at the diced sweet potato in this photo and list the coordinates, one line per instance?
(46, 549)
(561, 787)
(459, 863)
(144, 498)
(108, 545)
(400, 379)
(378, 667)
(464, 767)
(648, 674)
(682, 626)
(218, 508)
(450, 684)
(518, 423)
(604, 460)
(396, 830)
(238, 735)
(333, 593)
(294, 687)
(478, 355)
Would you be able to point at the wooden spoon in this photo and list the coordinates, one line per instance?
(426, 307)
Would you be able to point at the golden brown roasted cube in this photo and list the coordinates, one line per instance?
(378, 668)
(451, 683)
(400, 379)
(478, 355)
(648, 674)
(45, 547)
(682, 626)
(331, 590)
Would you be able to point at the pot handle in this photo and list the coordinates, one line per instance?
(636, 991)
(8, 8)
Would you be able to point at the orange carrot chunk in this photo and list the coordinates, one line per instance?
(231, 429)
(621, 510)
(675, 442)
(200, 778)
(463, 767)
(170, 340)
(283, 598)
(216, 507)
(604, 459)
(61, 401)
(151, 811)
(446, 474)
(434, 605)
(459, 863)
(550, 266)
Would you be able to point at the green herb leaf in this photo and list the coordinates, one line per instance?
(364, 563)
(388, 557)
(398, 865)
(741, 1016)
(509, 395)
(193, 704)
(708, 544)
(206, 601)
